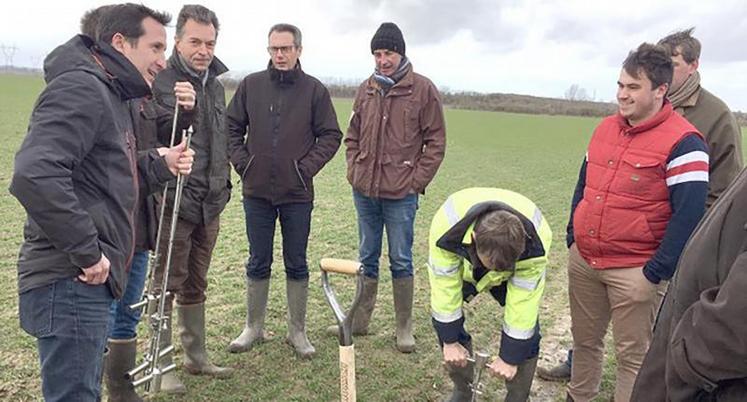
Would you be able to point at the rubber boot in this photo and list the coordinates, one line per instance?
(192, 334)
(170, 383)
(403, 291)
(119, 360)
(365, 309)
(297, 293)
(256, 306)
(517, 390)
(461, 377)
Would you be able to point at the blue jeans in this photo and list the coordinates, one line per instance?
(69, 319)
(295, 225)
(398, 217)
(122, 319)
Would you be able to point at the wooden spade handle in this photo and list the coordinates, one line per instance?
(347, 267)
(347, 374)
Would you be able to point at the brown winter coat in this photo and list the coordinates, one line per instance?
(395, 142)
(699, 350)
(713, 118)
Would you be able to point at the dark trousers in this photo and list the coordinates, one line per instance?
(295, 225)
(190, 258)
(69, 321)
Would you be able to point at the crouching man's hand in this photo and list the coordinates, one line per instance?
(455, 354)
(499, 368)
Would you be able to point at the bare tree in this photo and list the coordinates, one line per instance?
(576, 93)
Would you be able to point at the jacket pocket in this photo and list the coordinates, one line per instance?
(397, 176)
(246, 168)
(642, 177)
(685, 371)
(300, 176)
(357, 172)
(412, 121)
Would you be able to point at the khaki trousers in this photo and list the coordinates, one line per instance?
(190, 258)
(597, 296)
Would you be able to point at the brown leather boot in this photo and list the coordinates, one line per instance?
(557, 373)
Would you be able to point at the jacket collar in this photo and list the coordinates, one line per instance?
(458, 240)
(285, 78)
(662, 115)
(124, 76)
(101, 60)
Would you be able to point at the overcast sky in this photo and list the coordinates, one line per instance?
(534, 47)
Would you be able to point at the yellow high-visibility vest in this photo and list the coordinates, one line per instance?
(449, 269)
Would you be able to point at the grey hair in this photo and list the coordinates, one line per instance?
(197, 13)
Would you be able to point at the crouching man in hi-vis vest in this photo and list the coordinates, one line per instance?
(489, 240)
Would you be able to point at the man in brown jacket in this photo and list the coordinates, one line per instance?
(705, 111)
(282, 130)
(395, 144)
(698, 351)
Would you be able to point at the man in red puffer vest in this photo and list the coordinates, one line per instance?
(640, 193)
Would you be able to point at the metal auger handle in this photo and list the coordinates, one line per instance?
(152, 377)
(480, 359)
(155, 257)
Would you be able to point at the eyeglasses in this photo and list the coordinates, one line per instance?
(283, 49)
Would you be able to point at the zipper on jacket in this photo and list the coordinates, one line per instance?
(300, 177)
(131, 156)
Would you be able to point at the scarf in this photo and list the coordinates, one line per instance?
(687, 94)
(202, 77)
(386, 82)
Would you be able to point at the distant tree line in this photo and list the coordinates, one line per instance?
(577, 106)
(576, 102)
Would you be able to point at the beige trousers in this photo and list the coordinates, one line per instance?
(630, 301)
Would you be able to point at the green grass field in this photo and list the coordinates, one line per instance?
(537, 156)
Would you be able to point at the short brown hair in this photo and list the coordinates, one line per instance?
(292, 29)
(652, 60)
(500, 236)
(683, 43)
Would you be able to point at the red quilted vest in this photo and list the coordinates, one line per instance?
(623, 215)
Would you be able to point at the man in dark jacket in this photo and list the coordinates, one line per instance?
(698, 352)
(206, 191)
(76, 176)
(395, 144)
(282, 131)
(147, 118)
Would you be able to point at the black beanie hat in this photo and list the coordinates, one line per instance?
(389, 37)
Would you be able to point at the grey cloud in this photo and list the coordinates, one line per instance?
(431, 22)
